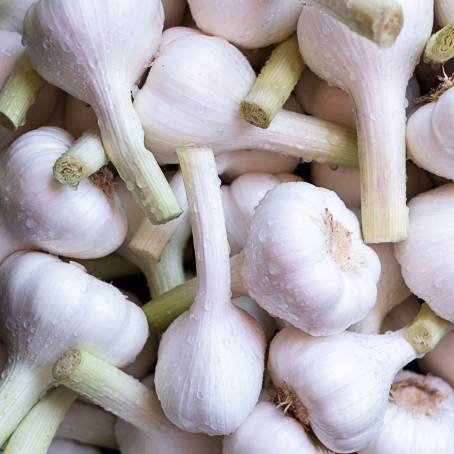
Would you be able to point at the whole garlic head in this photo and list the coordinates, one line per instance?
(247, 23)
(305, 261)
(338, 385)
(38, 212)
(419, 418)
(426, 256)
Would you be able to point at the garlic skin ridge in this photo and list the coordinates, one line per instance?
(377, 80)
(419, 418)
(425, 257)
(48, 306)
(202, 351)
(344, 409)
(305, 261)
(165, 438)
(38, 212)
(250, 23)
(218, 77)
(429, 136)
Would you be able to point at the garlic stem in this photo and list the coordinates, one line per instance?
(106, 386)
(162, 311)
(107, 268)
(427, 330)
(84, 158)
(19, 93)
(378, 20)
(273, 86)
(89, 425)
(440, 47)
(123, 140)
(20, 388)
(150, 240)
(37, 430)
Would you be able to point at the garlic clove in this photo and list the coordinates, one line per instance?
(251, 23)
(425, 256)
(40, 213)
(419, 417)
(299, 236)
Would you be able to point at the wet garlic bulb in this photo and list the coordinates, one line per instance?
(247, 23)
(36, 212)
(240, 199)
(426, 256)
(338, 385)
(48, 306)
(305, 261)
(429, 136)
(419, 418)
(197, 101)
(268, 430)
(200, 354)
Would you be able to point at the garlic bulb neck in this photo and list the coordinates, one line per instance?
(187, 380)
(227, 77)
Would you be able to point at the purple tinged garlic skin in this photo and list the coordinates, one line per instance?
(338, 385)
(305, 261)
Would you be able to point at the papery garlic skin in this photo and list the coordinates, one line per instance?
(305, 261)
(268, 431)
(444, 11)
(60, 446)
(342, 382)
(12, 13)
(174, 11)
(240, 199)
(425, 257)
(250, 23)
(164, 438)
(419, 418)
(11, 49)
(47, 307)
(377, 80)
(430, 138)
(37, 212)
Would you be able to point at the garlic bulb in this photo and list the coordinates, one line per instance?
(163, 438)
(174, 11)
(12, 13)
(391, 290)
(36, 212)
(64, 47)
(79, 116)
(376, 79)
(247, 23)
(444, 11)
(240, 199)
(197, 101)
(46, 307)
(429, 137)
(338, 385)
(419, 418)
(69, 447)
(201, 353)
(267, 430)
(305, 261)
(425, 257)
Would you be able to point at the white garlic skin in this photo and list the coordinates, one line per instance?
(79, 116)
(430, 138)
(247, 23)
(227, 379)
(417, 422)
(174, 11)
(11, 49)
(343, 381)
(61, 446)
(298, 270)
(241, 198)
(164, 438)
(268, 431)
(426, 256)
(48, 306)
(12, 13)
(41, 213)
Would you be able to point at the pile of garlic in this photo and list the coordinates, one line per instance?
(212, 240)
